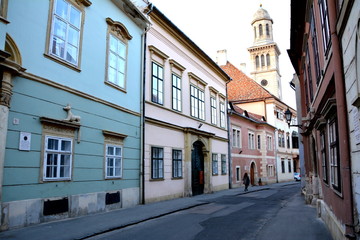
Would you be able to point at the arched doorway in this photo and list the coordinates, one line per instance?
(252, 173)
(197, 168)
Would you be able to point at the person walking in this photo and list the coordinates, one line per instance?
(246, 181)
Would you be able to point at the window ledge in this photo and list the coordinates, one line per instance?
(113, 85)
(63, 62)
(157, 179)
(176, 178)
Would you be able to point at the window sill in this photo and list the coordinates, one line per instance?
(115, 86)
(56, 180)
(113, 178)
(157, 179)
(215, 174)
(59, 60)
(176, 178)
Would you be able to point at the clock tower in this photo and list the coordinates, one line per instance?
(264, 53)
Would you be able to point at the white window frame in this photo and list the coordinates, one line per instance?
(157, 91)
(223, 164)
(269, 142)
(197, 102)
(176, 92)
(120, 55)
(177, 164)
(114, 157)
(236, 137)
(222, 114)
(78, 28)
(58, 153)
(238, 174)
(251, 140)
(213, 110)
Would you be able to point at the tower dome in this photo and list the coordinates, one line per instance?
(261, 14)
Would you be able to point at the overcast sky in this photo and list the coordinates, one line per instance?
(226, 24)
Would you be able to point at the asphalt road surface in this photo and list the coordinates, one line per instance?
(278, 213)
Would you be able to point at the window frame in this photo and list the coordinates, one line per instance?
(236, 138)
(213, 111)
(333, 148)
(157, 164)
(197, 110)
(58, 152)
(325, 25)
(177, 164)
(50, 33)
(251, 140)
(158, 78)
(324, 156)
(269, 142)
(315, 47)
(282, 165)
(3, 10)
(215, 166)
(223, 164)
(107, 156)
(289, 166)
(176, 92)
(258, 141)
(222, 114)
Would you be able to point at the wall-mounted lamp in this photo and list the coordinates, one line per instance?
(288, 116)
(200, 125)
(240, 152)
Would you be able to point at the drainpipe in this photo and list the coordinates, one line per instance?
(229, 144)
(142, 112)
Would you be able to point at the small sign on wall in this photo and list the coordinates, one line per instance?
(25, 141)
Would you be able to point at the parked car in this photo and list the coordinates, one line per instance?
(297, 176)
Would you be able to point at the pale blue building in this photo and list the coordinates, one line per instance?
(71, 108)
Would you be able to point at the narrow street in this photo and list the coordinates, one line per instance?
(278, 212)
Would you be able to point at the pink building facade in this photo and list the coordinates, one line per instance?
(252, 148)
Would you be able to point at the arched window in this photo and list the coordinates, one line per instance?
(262, 61)
(257, 61)
(260, 30)
(267, 30)
(268, 59)
(255, 32)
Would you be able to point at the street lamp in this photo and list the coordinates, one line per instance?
(288, 116)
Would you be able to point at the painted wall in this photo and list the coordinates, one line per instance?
(43, 91)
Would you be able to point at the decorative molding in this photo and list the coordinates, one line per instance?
(154, 50)
(177, 65)
(212, 89)
(86, 3)
(329, 108)
(114, 134)
(119, 29)
(222, 96)
(61, 127)
(320, 123)
(77, 92)
(196, 78)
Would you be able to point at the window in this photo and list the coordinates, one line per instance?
(323, 156)
(255, 32)
(117, 51)
(222, 114)
(269, 143)
(223, 164)
(281, 139)
(213, 110)
(289, 165)
(267, 30)
(157, 84)
(177, 163)
(197, 102)
(176, 92)
(157, 163)
(257, 61)
(237, 174)
(251, 140)
(259, 142)
(215, 170)
(236, 137)
(270, 170)
(3, 8)
(323, 7)
(287, 141)
(310, 85)
(65, 35)
(260, 30)
(315, 47)
(295, 139)
(268, 60)
(334, 155)
(262, 61)
(58, 158)
(282, 165)
(113, 161)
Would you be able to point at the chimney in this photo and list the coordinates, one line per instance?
(243, 67)
(221, 57)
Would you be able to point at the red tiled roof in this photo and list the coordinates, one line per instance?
(242, 87)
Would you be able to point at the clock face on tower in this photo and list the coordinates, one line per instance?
(264, 82)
